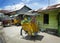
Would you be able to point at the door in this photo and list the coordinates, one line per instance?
(59, 24)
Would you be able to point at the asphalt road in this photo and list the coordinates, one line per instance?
(12, 35)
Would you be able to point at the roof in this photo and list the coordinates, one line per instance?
(49, 7)
(20, 8)
(13, 11)
(53, 6)
(14, 7)
(31, 12)
(4, 11)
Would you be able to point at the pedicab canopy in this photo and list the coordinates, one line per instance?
(29, 17)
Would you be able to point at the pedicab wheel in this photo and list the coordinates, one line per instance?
(23, 33)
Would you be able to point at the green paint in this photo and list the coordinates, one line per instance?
(53, 20)
(53, 24)
(59, 24)
(59, 30)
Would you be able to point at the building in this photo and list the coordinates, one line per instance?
(50, 17)
(23, 9)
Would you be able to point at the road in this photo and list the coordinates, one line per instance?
(12, 35)
(2, 39)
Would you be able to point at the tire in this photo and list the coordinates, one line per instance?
(17, 24)
(23, 33)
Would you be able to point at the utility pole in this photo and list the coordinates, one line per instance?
(48, 2)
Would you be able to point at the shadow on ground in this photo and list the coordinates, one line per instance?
(52, 32)
(2, 39)
(34, 38)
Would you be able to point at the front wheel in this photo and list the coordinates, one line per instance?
(23, 33)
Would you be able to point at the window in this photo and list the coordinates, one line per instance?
(46, 18)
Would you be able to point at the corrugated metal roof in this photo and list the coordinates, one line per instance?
(49, 7)
(4, 11)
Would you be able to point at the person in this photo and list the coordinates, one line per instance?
(21, 24)
(24, 20)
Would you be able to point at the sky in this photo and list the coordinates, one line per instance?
(33, 4)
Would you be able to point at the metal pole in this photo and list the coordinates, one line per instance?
(48, 2)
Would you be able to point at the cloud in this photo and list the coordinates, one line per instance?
(54, 2)
(36, 5)
(0, 8)
(26, 1)
(33, 6)
(58, 1)
(14, 7)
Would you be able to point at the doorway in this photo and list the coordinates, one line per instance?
(59, 24)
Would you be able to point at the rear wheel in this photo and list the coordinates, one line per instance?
(17, 24)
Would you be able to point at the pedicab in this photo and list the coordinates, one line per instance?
(29, 25)
(16, 20)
